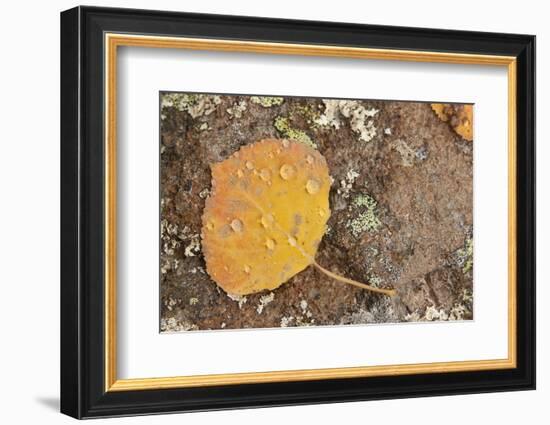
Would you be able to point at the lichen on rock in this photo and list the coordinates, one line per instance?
(195, 105)
(464, 255)
(408, 155)
(264, 301)
(239, 299)
(360, 118)
(346, 184)
(283, 126)
(237, 109)
(267, 101)
(366, 220)
(171, 324)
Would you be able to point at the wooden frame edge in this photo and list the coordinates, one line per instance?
(137, 384)
(114, 40)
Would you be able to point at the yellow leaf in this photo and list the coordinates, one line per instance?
(266, 215)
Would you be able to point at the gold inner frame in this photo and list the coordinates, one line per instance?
(113, 41)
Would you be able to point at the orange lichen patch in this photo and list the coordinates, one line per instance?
(261, 222)
(459, 117)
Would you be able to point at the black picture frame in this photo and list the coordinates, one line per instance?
(83, 392)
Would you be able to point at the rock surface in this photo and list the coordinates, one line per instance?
(401, 206)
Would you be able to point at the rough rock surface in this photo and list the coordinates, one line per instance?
(401, 217)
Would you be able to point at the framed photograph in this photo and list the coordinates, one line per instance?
(261, 212)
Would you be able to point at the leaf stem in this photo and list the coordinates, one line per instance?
(388, 292)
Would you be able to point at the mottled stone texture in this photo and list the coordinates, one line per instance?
(401, 206)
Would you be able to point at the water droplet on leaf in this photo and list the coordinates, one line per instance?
(312, 186)
(265, 174)
(237, 225)
(287, 171)
(267, 220)
(270, 244)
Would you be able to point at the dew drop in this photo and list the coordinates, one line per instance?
(287, 171)
(265, 174)
(210, 225)
(312, 186)
(267, 220)
(270, 244)
(286, 143)
(247, 268)
(237, 225)
(309, 159)
(249, 165)
(240, 173)
(292, 241)
(321, 212)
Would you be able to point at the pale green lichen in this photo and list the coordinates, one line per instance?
(310, 113)
(267, 101)
(283, 126)
(375, 281)
(364, 200)
(367, 220)
(465, 256)
(195, 105)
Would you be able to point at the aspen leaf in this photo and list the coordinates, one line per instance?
(266, 215)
